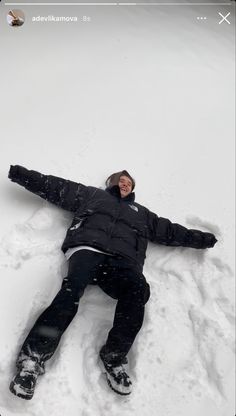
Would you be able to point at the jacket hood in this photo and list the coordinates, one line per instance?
(114, 178)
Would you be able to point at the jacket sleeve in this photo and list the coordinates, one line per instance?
(163, 231)
(61, 192)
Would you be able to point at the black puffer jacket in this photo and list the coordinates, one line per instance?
(106, 221)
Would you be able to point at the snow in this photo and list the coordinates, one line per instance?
(150, 90)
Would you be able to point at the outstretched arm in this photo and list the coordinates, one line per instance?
(64, 193)
(163, 231)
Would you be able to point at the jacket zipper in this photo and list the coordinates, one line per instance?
(114, 221)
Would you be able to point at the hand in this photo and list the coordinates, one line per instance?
(209, 240)
(13, 172)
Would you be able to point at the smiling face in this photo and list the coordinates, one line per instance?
(125, 185)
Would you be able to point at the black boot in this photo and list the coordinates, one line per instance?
(24, 382)
(116, 373)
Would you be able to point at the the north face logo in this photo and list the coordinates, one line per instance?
(134, 207)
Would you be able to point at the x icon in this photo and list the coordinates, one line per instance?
(224, 18)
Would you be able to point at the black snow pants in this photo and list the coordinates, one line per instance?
(118, 278)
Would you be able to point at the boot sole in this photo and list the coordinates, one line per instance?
(26, 395)
(113, 389)
(104, 371)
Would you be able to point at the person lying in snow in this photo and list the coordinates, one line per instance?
(105, 245)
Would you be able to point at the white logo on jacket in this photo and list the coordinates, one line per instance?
(133, 207)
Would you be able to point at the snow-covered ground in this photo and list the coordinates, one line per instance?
(151, 90)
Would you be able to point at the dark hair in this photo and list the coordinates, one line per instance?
(114, 178)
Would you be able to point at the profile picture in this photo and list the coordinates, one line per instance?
(15, 17)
